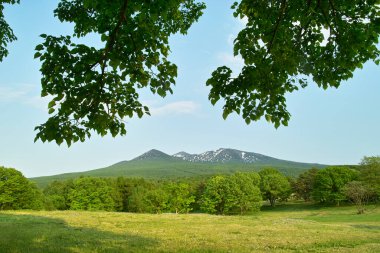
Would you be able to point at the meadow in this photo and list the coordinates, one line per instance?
(288, 228)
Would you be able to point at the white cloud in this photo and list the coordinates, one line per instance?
(179, 107)
(237, 27)
(236, 63)
(26, 94)
(230, 39)
(227, 58)
(11, 94)
(39, 102)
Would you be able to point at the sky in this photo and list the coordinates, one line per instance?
(334, 126)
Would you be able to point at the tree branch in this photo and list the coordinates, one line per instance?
(112, 38)
(279, 19)
(109, 45)
(113, 34)
(334, 14)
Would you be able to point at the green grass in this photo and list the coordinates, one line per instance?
(173, 169)
(290, 228)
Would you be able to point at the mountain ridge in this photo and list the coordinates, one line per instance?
(224, 155)
(155, 164)
(221, 155)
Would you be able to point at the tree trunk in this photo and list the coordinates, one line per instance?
(272, 201)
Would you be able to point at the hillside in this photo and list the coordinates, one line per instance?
(155, 164)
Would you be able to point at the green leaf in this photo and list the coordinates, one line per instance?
(37, 55)
(39, 47)
(225, 114)
(51, 104)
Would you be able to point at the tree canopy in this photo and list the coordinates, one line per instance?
(284, 44)
(370, 173)
(237, 193)
(17, 192)
(6, 32)
(90, 193)
(274, 185)
(330, 182)
(304, 184)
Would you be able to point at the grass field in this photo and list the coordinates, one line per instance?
(289, 228)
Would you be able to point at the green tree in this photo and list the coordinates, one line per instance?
(137, 201)
(245, 188)
(17, 192)
(89, 193)
(216, 198)
(140, 195)
(180, 197)
(283, 42)
(156, 200)
(330, 182)
(6, 33)
(198, 188)
(274, 186)
(237, 193)
(126, 187)
(57, 194)
(370, 174)
(304, 184)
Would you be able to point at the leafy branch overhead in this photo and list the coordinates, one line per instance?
(284, 44)
(94, 89)
(6, 32)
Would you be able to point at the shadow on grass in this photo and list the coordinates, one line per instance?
(292, 206)
(297, 206)
(364, 226)
(28, 233)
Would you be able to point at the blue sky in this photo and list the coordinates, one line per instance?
(335, 126)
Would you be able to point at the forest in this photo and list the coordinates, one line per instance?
(224, 194)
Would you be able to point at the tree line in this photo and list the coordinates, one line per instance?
(238, 193)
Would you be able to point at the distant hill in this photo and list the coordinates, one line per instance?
(153, 154)
(155, 164)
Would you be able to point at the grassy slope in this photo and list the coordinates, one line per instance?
(172, 168)
(287, 229)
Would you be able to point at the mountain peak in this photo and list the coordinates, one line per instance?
(181, 154)
(222, 155)
(153, 154)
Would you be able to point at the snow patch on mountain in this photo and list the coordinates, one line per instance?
(222, 155)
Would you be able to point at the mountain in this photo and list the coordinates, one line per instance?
(156, 164)
(227, 155)
(153, 154)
